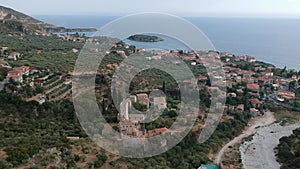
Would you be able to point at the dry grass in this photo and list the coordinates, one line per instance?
(287, 116)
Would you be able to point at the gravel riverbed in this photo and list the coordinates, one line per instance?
(259, 152)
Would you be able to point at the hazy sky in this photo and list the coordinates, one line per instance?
(213, 8)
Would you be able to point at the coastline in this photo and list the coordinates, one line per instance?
(268, 40)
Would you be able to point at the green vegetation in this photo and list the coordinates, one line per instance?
(48, 125)
(191, 154)
(289, 151)
(2, 74)
(282, 114)
(297, 101)
(56, 53)
(30, 128)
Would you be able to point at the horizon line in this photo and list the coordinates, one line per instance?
(186, 16)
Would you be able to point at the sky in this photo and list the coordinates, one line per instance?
(204, 8)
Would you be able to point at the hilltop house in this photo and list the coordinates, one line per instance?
(130, 128)
(16, 75)
(24, 69)
(129, 123)
(143, 99)
(14, 56)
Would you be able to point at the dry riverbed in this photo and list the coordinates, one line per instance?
(259, 152)
(265, 120)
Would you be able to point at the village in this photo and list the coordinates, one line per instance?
(256, 80)
(243, 82)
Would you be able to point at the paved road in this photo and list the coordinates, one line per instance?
(265, 120)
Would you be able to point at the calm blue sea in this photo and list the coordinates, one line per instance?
(276, 41)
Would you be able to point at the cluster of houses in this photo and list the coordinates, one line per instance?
(259, 81)
(17, 73)
(131, 124)
(70, 37)
(4, 51)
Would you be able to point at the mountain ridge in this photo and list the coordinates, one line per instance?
(15, 22)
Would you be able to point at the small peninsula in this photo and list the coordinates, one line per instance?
(145, 38)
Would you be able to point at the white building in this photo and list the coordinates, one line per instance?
(159, 103)
(124, 107)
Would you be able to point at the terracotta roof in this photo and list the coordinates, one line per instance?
(253, 86)
(255, 101)
(201, 77)
(157, 131)
(14, 54)
(143, 100)
(25, 67)
(15, 71)
(286, 92)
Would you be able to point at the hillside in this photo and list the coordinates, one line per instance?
(10, 14)
(14, 22)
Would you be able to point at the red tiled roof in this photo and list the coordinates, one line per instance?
(255, 101)
(201, 77)
(253, 86)
(157, 131)
(15, 71)
(14, 54)
(286, 93)
(25, 67)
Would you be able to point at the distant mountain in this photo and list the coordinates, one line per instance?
(10, 14)
(14, 22)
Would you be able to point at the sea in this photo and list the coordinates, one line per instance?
(275, 41)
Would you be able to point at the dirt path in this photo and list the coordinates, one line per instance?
(265, 120)
(36, 97)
